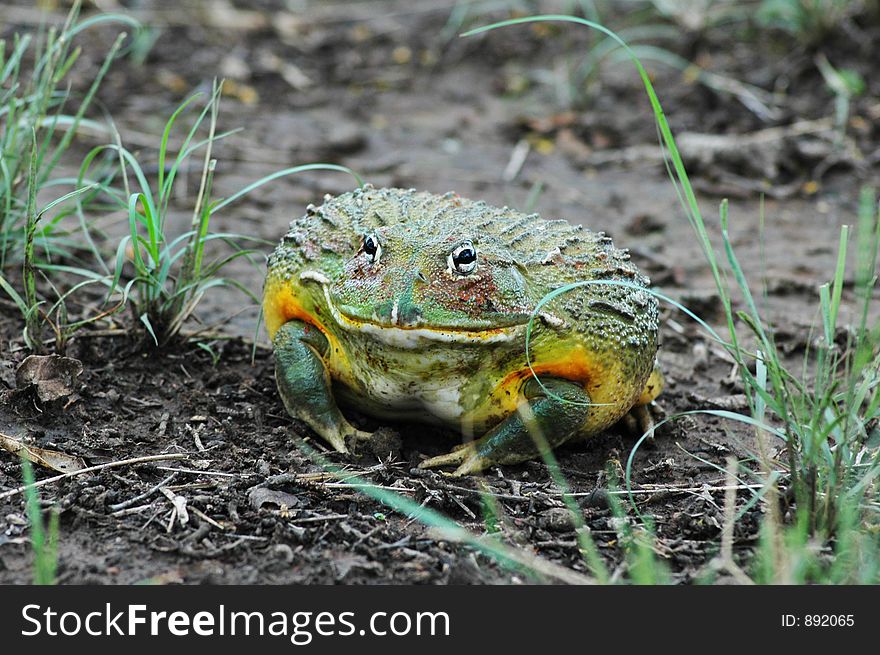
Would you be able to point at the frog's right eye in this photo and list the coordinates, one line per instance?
(372, 247)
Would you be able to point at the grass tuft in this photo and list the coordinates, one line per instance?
(159, 276)
(34, 95)
(36, 132)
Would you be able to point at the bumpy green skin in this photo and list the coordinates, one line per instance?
(409, 337)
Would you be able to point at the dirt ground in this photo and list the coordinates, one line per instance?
(380, 87)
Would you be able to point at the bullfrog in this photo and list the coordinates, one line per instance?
(414, 306)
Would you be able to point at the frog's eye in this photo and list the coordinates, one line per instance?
(464, 258)
(372, 247)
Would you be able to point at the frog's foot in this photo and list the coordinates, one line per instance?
(464, 457)
(343, 437)
(639, 422)
(346, 439)
(542, 421)
(304, 384)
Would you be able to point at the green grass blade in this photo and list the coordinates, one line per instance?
(283, 173)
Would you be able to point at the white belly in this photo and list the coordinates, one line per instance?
(442, 398)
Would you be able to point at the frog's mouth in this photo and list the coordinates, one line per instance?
(412, 336)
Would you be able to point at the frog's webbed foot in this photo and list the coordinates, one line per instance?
(304, 384)
(542, 421)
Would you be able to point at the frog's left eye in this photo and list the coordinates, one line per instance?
(372, 247)
(464, 258)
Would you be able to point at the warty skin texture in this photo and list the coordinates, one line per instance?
(410, 337)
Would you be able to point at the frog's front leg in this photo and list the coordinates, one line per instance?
(556, 417)
(304, 384)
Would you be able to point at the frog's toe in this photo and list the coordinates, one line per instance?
(465, 458)
(338, 440)
(472, 464)
(459, 456)
(348, 441)
(453, 458)
(345, 438)
(639, 421)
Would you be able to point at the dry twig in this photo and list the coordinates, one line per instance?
(92, 469)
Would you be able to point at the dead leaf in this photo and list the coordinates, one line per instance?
(345, 563)
(53, 459)
(54, 376)
(260, 496)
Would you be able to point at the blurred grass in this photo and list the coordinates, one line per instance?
(44, 537)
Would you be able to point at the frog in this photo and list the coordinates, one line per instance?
(413, 306)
